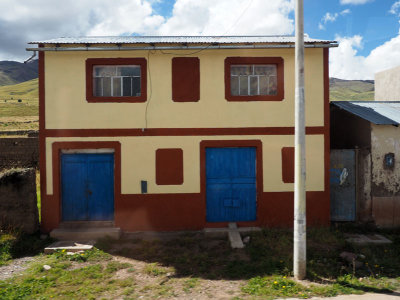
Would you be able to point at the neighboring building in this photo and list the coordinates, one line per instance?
(365, 162)
(178, 133)
(387, 85)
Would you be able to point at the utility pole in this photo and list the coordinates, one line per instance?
(299, 249)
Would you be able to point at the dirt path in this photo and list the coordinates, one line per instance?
(16, 267)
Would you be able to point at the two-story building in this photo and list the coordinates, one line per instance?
(179, 133)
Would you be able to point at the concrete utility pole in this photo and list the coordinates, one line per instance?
(299, 249)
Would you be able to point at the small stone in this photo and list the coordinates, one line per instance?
(46, 267)
(246, 240)
(70, 253)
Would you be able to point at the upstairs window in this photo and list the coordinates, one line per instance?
(116, 80)
(254, 79)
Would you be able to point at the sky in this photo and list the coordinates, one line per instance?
(368, 31)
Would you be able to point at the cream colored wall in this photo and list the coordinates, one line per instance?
(387, 86)
(138, 161)
(67, 108)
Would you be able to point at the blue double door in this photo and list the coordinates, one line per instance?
(231, 190)
(87, 187)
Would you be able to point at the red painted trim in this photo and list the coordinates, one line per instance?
(287, 164)
(185, 79)
(57, 147)
(42, 136)
(179, 131)
(326, 118)
(90, 62)
(169, 166)
(278, 61)
(231, 143)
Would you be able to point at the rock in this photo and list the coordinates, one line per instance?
(246, 240)
(351, 258)
(46, 267)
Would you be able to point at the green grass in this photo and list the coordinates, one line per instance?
(184, 266)
(19, 99)
(351, 90)
(62, 282)
(15, 244)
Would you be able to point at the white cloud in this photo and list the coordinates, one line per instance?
(395, 9)
(345, 62)
(331, 17)
(210, 17)
(355, 2)
(22, 21)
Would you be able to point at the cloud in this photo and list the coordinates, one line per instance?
(354, 2)
(395, 9)
(345, 63)
(22, 21)
(331, 17)
(210, 17)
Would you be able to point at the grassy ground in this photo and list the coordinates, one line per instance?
(194, 266)
(19, 106)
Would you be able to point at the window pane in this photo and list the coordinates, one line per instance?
(116, 86)
(129, 71)
(253, 85)
(234, 85)
(106, 87)
(136, 86)
(97, 90)
(244, 90)
(104, 71)
(265, 70)
(127, 86)
(263, 85)
(273, 85)
(241, 70)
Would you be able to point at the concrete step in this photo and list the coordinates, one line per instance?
(85, 234)
(86, 224)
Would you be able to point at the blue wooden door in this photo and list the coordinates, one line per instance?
(343, 185)
(231, 184)
(87, 187)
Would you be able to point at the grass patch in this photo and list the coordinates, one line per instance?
(62, 282)
(17, 244)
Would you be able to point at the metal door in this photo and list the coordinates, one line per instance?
(343, 185)
(87, 187)
(231, 184)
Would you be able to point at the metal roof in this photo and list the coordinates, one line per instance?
(377, 112)
(279, 39)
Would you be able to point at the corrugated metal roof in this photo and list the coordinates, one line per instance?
(280, 39)
(377, 112)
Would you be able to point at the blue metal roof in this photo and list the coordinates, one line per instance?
(377, 112)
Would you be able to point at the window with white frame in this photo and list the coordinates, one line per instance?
(117, 80)
(254, 80)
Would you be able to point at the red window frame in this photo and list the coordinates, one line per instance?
(91, 62)
(278, 61)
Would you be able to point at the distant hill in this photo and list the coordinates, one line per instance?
(351, 90)
(12, 72)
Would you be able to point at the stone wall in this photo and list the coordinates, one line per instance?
(19, 152)
(18, 202)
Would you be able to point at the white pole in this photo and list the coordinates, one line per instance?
(299, 249)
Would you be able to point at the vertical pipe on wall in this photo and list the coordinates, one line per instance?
(299, 249)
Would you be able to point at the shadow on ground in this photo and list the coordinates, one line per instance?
(268, 253)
